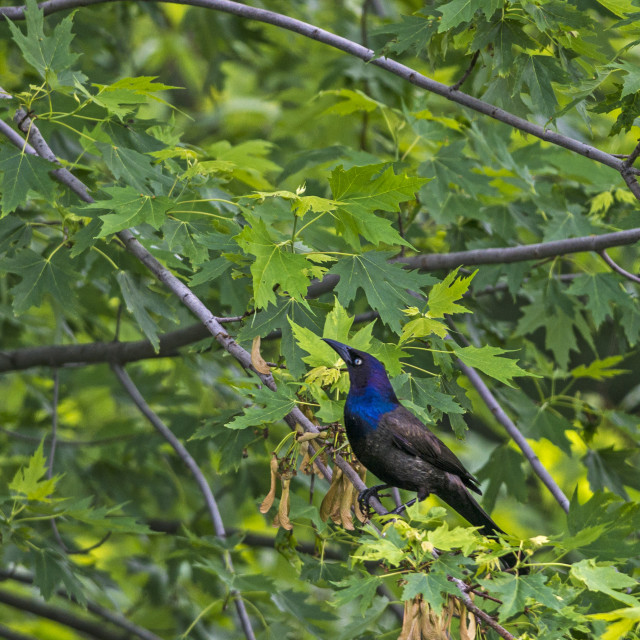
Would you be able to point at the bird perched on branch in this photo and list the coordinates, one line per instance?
(394, 445)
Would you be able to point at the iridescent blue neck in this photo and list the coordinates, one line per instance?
(365, 406)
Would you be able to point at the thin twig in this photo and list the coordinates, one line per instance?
(479, 613)
(616, 267)
(201, 481)
(467, 73)
(631, 158)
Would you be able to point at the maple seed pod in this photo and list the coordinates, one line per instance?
(268, 501)
(345, 504)
(283, 508)
(329, 501)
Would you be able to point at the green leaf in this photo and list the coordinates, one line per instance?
(537, 72)
(608, 468)
(602, 289)
(130, 208)
(275, 264)
(210, 271)
(412, 33)
(183, 237)
(22, 172)
(250, 160)
(139, 302)
(352, 102)
(51, 569)
(49, 55)
(456, 12)
(29, 482)
(504, 467)
(443, 296)
(130, 166)
(276, 406)
(604, 578)
(118, 97)
(363, 190)
(40, 276)
(599, 369)
(384, 284)
(487, 359)
(425, 585)
(356, 587)
(516, 592)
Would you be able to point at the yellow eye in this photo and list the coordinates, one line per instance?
(357, 362)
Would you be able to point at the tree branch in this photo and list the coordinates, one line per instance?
(201, 481)
(616, 267)
(491, 402)
(505, 255)
(110, 616)
(84, 625)
(467, 73)
(10, 634)
(479, 613)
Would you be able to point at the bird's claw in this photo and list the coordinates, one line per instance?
(366, 495)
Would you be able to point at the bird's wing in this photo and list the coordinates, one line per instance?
(409, 434)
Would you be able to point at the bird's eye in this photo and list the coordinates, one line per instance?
(357, 361)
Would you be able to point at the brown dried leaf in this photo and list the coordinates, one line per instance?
(256, 358)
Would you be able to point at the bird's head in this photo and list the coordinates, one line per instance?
(365, 371)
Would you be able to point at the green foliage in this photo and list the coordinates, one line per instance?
(254, 164)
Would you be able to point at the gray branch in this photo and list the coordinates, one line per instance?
(201, 481)
(479, 613)
(114, 618)
(82, 624)
(495, 408)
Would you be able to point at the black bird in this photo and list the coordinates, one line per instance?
(394, 445)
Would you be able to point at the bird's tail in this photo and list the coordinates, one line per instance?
(465, 504)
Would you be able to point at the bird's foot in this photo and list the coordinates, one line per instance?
(402, 507)
(367, 494)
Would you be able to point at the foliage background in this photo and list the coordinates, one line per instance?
(199, 129)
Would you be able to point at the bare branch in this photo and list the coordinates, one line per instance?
(505, 255)
(467, 73)
(82, 624)
(479, 613)
(491, 402)
(10, 634)
(201, 481)
(616, 267)
(632, 157)
(110, 616)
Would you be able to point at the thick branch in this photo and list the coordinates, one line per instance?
(94, 629)
(479, 613)
(94, 352)
(201, 481)
(504, 255)
(110, 616)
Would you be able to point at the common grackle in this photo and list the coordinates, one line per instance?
(393, 444)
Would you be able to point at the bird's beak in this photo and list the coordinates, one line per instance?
(342, 350)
